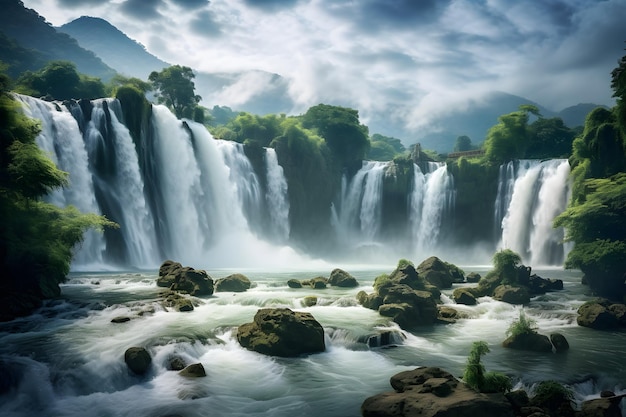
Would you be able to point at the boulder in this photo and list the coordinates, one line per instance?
(512, 295)
(430, 392)
(175, 363)
(383, 338)
(318, 283)
(449, 314)
(195, 370)
(463, 296)
(187, 280)
(137, 359)
(472, 277)
(533, 342)
(294, 283)
(411, 307)
(619, 311)
(559, 342)
(175, 301)
(340, 278)
(233, 283)
(596, 316)
(601, 407)
(538, 285)
(120, 319)
(371, 301)
(282, 332)
(439, 273)
(309, 301)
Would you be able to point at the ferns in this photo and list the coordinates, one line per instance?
(523, 325)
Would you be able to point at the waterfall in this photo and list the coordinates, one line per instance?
(277, 197)
(534, 194)
(175, 192)
(61, 139)
(431, 199)
(360, 212)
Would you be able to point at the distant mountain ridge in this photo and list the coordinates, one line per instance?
(38, 40)
(99, 49)
(113, 47)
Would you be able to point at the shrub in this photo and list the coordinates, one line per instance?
(523, 325)
(551, 394)
(475, 376)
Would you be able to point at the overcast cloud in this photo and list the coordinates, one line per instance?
(421, 58)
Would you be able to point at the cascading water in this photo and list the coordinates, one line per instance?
(361, 205)
(277, 197)
(186, 196)
(432, 198)
(531, 194)
(61, 139)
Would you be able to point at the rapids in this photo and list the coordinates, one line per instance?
(67, 359)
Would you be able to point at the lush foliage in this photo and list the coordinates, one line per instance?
(384, 148)
(476, 377)
(505, 263)
(523, 325)
(346, 137)
(463, 143)
(551, 394)
(59, 80)
(175, 88)
(594, 220)
(36, 238)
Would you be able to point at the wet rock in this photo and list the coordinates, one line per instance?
(187, 280)
(137, 359)
(430, 392)
(533, 342)
(463, 296)
(439, 273)
(596, 316)
(282, 332)
(601, 407)
(340, 278)
(175, 363)
(233, 283)
(472, 277)
(371, 301)
(309, 301)
(318, 283)
(559, 342)
(294, 283)
(195, 370)
(512, 295)
(120, 319)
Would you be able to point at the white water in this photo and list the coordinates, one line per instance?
(67, 360)
(277, 196)
(361, 205)
(432, 197)
(538, 194)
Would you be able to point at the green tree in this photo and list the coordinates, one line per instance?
(462, 144)
(59, 80)
(346, 137)
(549, 138)
(122, 81)
(509, 139)
(36, 238)
(476, 377)
(175, 88)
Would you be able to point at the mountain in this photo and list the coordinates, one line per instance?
(113, 47)
(575, 115)
(35, 42)
(257, 92)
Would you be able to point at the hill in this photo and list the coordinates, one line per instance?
(33, 42)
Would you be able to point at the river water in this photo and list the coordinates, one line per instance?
(68, 358)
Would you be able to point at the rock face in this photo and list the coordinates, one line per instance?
(340, 278)
(187, 280)
(430, 392)
(439, 273)
(282, 332)
(233, 283)
(137, 359)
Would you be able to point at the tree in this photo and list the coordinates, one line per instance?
(59, 80)
(476, 377)
(509, 139)
(549, 138)
(462, 144)
(175, 88)
(346, 137)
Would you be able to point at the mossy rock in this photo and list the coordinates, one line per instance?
(233, 283)
(309, 301)
(294, 283)
(464, 295)
(512, 295)
(138, 360)
(340, 278)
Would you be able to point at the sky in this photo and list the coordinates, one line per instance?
(423, 58)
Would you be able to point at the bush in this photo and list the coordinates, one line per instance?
(475, 376)
(523, 325)
(551, 394)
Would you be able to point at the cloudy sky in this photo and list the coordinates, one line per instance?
(423, 57)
